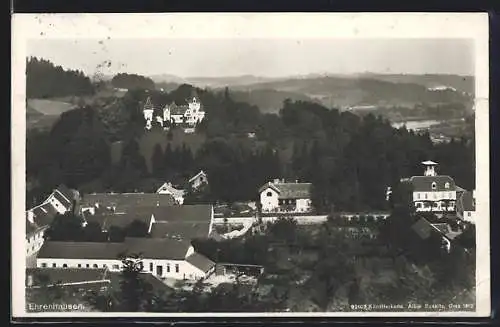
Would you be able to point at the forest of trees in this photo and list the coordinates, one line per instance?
(132, 82)
(46, 80)
(349, 159)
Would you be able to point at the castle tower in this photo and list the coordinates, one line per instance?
(194, 102)
(429, 168)
(148, 111)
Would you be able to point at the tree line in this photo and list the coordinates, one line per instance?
(132, 82)
(46, 80)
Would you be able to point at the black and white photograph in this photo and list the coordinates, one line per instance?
(250, 164)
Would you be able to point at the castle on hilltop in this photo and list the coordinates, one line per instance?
(188, 115)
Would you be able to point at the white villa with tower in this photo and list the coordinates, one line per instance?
(188, 115)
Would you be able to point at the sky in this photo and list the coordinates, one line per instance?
(259, 57)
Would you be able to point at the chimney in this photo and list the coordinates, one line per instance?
(30, 216)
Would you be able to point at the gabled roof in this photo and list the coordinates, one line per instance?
(148, 248)
(67, 195)
(182, 230)
(156, 248)
(200, 261)
(127, 201)
(122, 220)
(424, 183)
(178, 110)
(201, 173)
(185, 213)
(81, 250)
(167, 187)
(289, 190)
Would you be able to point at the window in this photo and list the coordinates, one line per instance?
(269, 194)
(65, 265)
(151, 266)
(104, 265)
(168, 267)
(433, 185)
(54, 265)
(468, 214)
(446, 185)
(418, 196)
(44, 265)
(176, 268)
(87, 265)
(79, 265)
(159, 271)
(425, 196)
(95, 265)
(118, 267)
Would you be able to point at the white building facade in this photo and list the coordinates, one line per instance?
(433, 192)
(279, 196)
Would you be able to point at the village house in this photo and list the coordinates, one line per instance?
(466, 206)
(38, 218)
(432, 192)
(177, 194)
(198, 180)
(161, 257)
(188, 115)
(280, 196)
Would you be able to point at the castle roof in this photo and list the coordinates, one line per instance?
(424, 183)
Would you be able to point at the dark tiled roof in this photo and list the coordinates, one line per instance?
(290, 190)
(149, 248)
(81, 250)
(466, 202)
(185, 213)
(424, 183)
(201, 173)
(423, 228)
(154, 248)
(125, 219)
(125, 201)
(184, 230)
(44, 214)
(66, 193)
(200, 261)
(64, 275)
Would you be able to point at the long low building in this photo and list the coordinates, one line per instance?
(161, 257)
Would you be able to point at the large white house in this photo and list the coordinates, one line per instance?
(198, 180)
(39, 218)
(432, 192)
(280, 196)
(189, 114)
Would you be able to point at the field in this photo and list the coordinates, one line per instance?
(43, 113)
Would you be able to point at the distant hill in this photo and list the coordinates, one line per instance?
(336, 90)
(461, 83)
(268, 100)
(354, 91)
